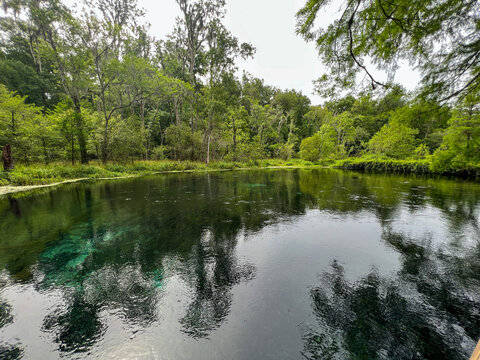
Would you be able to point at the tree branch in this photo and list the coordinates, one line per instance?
(352, 54)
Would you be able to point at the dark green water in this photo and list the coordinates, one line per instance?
(280, 264)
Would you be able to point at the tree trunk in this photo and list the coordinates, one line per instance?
(105, 143)
(234, 130)
(208, 150)
(176, 111)
(72, 145)
(7, 158)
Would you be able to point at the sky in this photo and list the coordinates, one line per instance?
(283, 59)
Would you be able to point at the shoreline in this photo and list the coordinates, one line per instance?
(360, 165)
(13, 189)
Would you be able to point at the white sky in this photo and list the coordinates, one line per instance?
(283, 58)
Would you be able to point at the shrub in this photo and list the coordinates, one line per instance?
(310, 148)
(394, 140)
(158, 152)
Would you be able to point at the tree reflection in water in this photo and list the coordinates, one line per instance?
(428, 310)
(217, 270)
(110, 249)
(7, 351)
(115, 255)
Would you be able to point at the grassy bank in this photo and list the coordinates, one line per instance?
(54, 173)
(424, 166)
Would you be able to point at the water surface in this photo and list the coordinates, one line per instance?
(277, 264)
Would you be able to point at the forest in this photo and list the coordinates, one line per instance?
(93, 86)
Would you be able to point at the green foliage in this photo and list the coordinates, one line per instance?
(18, 122)
(394, 140)
(461, 143)
(158, 152)
(387, 32)
(331, 141)
(385, 165)
(126, 141)
(182, 143)
(421, 152)
(98, 88)
(310, 148)
(283, 151)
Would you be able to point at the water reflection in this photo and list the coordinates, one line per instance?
(8, 352)
(427, 310)
(146, 251)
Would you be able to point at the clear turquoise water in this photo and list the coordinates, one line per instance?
(277, 264)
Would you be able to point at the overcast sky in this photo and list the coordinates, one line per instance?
(283, 59)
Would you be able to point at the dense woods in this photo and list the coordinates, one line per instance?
(94, 85)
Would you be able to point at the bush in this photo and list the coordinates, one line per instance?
(117, 168)
(283, 151)
(394, 140)
(421, 152)
(158, 153)
(310, 148)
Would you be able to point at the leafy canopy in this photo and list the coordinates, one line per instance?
(439, 38)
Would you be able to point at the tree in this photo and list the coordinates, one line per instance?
(440, 38)
(222, 51)
(16, 118)
(66, 117)
(55, 50)
(105, 34)
(194, 29)
(291, 106)
(310, 148)
(322, 145)
(315, 118)
(73, 63)
(343, 125)
(25, 69)
(461, 143)
(394, 139)
(426, 117)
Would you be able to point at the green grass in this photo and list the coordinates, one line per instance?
(384, 165)
(409, 166)
(47, 174)
(53, 173)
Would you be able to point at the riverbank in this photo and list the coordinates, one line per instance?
(423, 166)
(26, 178)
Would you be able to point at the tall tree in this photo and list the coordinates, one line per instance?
(51, 33)
(195, 25)
(16, 118)
(104, 34)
